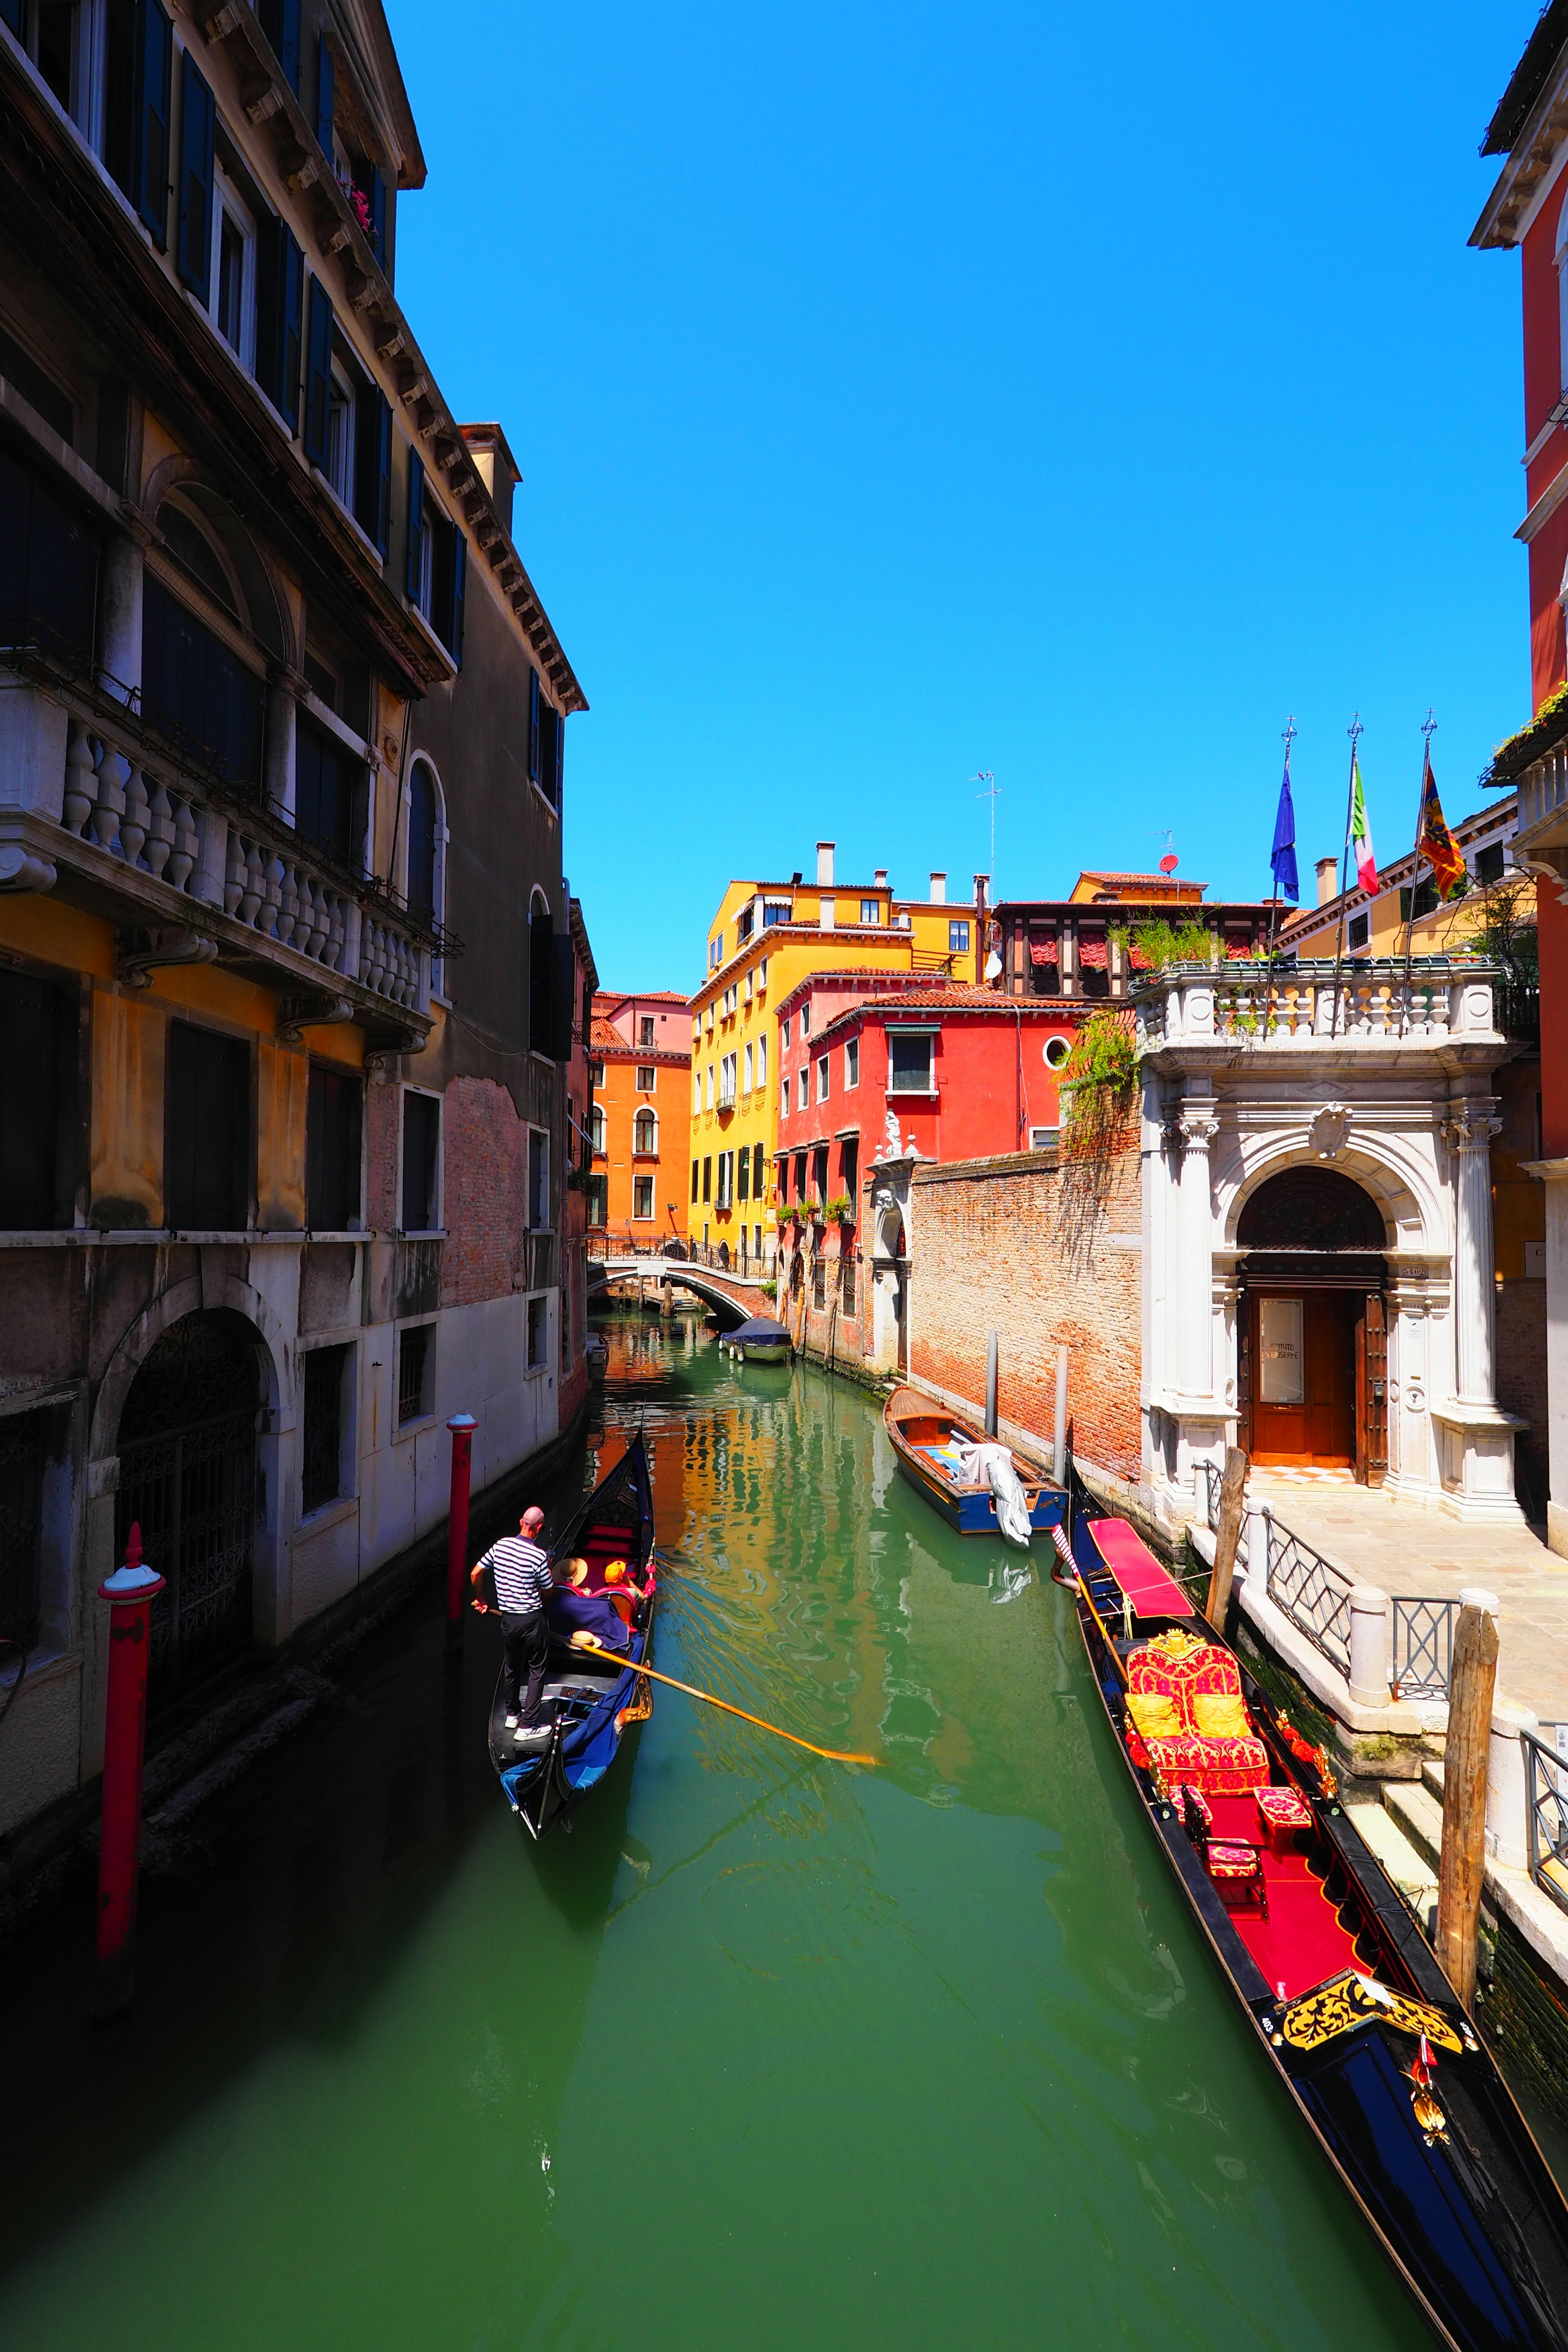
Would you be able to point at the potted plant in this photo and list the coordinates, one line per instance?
(840, 1211)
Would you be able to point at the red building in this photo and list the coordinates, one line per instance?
(966, 1073)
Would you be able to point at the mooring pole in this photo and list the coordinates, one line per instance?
(1462, 1863)
(129, 1592)
(1060, 1464)
(991, 1384)
(462, 1426)
(1227, 1535)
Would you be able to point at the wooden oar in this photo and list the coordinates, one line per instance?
(834, 1755)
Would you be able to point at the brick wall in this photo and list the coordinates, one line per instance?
(989, 1253)
(485, 1168)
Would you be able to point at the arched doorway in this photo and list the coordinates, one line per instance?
(1312, 1345)
(187, 1477)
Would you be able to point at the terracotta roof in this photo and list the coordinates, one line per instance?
(638, 996)
(961, 999)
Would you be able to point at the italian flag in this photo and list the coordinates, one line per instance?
(1361, 832)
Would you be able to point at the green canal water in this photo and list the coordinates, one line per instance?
(767, 2053)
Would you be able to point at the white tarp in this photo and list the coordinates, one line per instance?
(992, 1465)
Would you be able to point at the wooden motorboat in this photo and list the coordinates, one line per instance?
(759, 1340)
(590, 1701)
(1354, 2015)
(927, 1441)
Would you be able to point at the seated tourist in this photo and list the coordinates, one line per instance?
(572, 1611)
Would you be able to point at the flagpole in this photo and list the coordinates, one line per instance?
(1356, 731)
(1427, 732)
(1274, 896)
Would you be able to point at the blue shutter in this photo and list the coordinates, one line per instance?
(533, 726)
(280, 23)
(150, 150)
(280, 291)
(319, 374)
(324, 92)
(373, 465)
(193, 257)
(11, 13)
(416, 524)
(459, 588)
(382, 534)
(291, 316)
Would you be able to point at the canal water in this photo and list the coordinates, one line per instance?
(767, 2053)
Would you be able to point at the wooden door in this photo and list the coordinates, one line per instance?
(1372, 1392)
(1303, 1377)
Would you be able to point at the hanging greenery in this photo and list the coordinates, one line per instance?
(1099, 1099)
(1157, 943)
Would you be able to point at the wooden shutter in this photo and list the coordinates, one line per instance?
(281, 288)
(193, 257)
(325, 88)
(155, 71)
(540, 970)
(459, 594)
(416, 524)
(1371, 1391)
(318, 373)
(372, 466)
(564, 994)
(533, 726)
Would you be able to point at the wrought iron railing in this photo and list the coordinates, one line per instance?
(1210, 1479)
(1423, 1637)
(1313, 1593)
(1546, 1814)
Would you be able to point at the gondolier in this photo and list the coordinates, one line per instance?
(520, 1568)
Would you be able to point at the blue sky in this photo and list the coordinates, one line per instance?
(906, 391)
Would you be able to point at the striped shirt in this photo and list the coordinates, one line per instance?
(522, 1572)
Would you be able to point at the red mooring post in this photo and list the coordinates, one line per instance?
(462, 1426)
(129, 1592)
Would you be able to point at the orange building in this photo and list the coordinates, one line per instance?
(641, 1114)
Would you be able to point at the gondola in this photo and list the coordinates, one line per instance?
(925, 1439)
(1348, 2004)
(588, 1704)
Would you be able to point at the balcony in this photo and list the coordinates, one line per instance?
(1370, 1008)
(98, 810)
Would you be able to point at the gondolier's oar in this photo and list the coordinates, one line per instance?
(834, 1755)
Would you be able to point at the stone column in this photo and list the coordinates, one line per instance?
(1198, 1126)
(1468, 1133)
(282, 714)
(122, 577)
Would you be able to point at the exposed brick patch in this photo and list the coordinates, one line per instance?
(485, 1177)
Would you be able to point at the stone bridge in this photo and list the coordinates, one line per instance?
(735, 1294)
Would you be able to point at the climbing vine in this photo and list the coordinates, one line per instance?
(1099, 1097)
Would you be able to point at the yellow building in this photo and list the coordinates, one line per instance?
(1374, 928)
(765, 937)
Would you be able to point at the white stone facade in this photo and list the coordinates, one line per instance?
(1387, 1081)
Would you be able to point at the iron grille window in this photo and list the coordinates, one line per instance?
(413, 1371)
(538, 1181)
(24, 1451)
(325, 1369)
(818, 1283)
(32, 1030)
(421, 1155)
(333, 1115)
(197, 692)
(208, 1140)
(326, 787)
(848, 1276)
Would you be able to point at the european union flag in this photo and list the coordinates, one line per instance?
(1284, 858)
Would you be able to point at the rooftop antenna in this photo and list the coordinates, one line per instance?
(992, 789)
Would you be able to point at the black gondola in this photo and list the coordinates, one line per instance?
(589, 1703)
(1348, 2001)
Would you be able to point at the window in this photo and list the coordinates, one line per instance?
(783, 1098)
(707, 1181)
(538, 1332)
(645, 1029)
(1489, 862)
(537, 1180)
(1043, 1139)
(596, 1127)
(727, 1082)
(1423, 902)
(748, 1067)
(35, 1033)
(414, 1366)
(599, 1202)
(820, 1171)
(909, 1061)
(326, 790)
(233, 274)
(761, 1061)
(710, 1102)
(197, 691)
(644, 1132)
(821, 1080)
(648, 1072)
(541, 978)
(715, 950)
(421, 891)
(850, 1169)
(750, 985)
(870, 912)
(757, 1181)
(763, 974)
(280, 318)
(775, 910)
(279, 20)
(595, 1073)
(546, 742)
(1357, 929)
(421, 1163)
(437, 560)
(784, 1030)
(958, 938)
(806, 1019)
(694, 1183)
(744, 1175)
(642, 1197)
(819, 1282)
(744, 922)
(1057, 1052)
(726, 1181)
(333, 1117)
(207, 1147)
(846, 1276)
(322, 1446)
(852, 1063)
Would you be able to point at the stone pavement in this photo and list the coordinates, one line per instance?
(1409, 1547)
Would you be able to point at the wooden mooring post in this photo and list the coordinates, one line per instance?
(1461, 1865)
(1227, 1535)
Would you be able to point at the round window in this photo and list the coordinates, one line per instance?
(1055, 1052)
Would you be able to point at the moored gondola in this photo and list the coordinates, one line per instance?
(590, 1702)
(1355, 2016)
(932, 1446)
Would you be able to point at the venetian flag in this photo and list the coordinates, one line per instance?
(1434, 842)
(1283, 860)
(1360, 834)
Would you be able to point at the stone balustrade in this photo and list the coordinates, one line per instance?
(1304, 1007)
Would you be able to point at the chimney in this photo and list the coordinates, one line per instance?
(938, 889)
(1328, 880)
(825, 864)
(495, 466)
(880, 877)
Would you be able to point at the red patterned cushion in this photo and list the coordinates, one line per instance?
(1219, 1768)
(1233, 1860)
(1282, 1808)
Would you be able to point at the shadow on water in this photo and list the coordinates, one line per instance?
(766, 2048)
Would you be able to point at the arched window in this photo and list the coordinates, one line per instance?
(598, 1128)
(644, 1132)
(422, 833)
